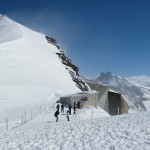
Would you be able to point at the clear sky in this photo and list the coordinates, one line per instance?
(97, 35)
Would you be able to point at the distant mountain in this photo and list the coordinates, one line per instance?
(121, 84)
(137, 85)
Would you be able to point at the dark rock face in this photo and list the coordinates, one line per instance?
(73, 69)
(52, 41)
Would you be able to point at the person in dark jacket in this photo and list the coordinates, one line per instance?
(74, 107)
(62, 108)
(56, 115)
(70, 109)
(79, 104)
(57, 107)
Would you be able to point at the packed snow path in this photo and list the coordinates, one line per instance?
(123, 132)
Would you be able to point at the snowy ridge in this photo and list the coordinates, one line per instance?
(9, 30)
(74, 71)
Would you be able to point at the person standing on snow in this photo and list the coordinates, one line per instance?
(62, 108)
(57, 107)
(56, 115)
(70, 109)
(74, 107)
(79, 104)
(67, 115)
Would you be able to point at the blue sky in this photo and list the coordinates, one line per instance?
(97, 35)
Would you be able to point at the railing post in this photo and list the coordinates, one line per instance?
(6, 123)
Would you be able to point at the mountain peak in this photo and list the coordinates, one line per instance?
(9, 29)
(109, 74)
(107, 78)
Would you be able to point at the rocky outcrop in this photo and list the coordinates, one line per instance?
(73, 69)
(52, 41)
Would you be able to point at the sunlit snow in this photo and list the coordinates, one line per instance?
(32, 78)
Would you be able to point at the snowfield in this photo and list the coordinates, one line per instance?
(108, 133)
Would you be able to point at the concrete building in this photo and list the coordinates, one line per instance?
(110, 101)
(86, 98)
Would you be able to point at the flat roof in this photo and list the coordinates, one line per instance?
(80, 94)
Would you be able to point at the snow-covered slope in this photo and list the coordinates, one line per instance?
(140, 80)
(13, 31)
(143, 82)
(30, 71)
(121, 132)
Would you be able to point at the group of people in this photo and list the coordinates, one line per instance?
(62, 111)
(78, 105)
